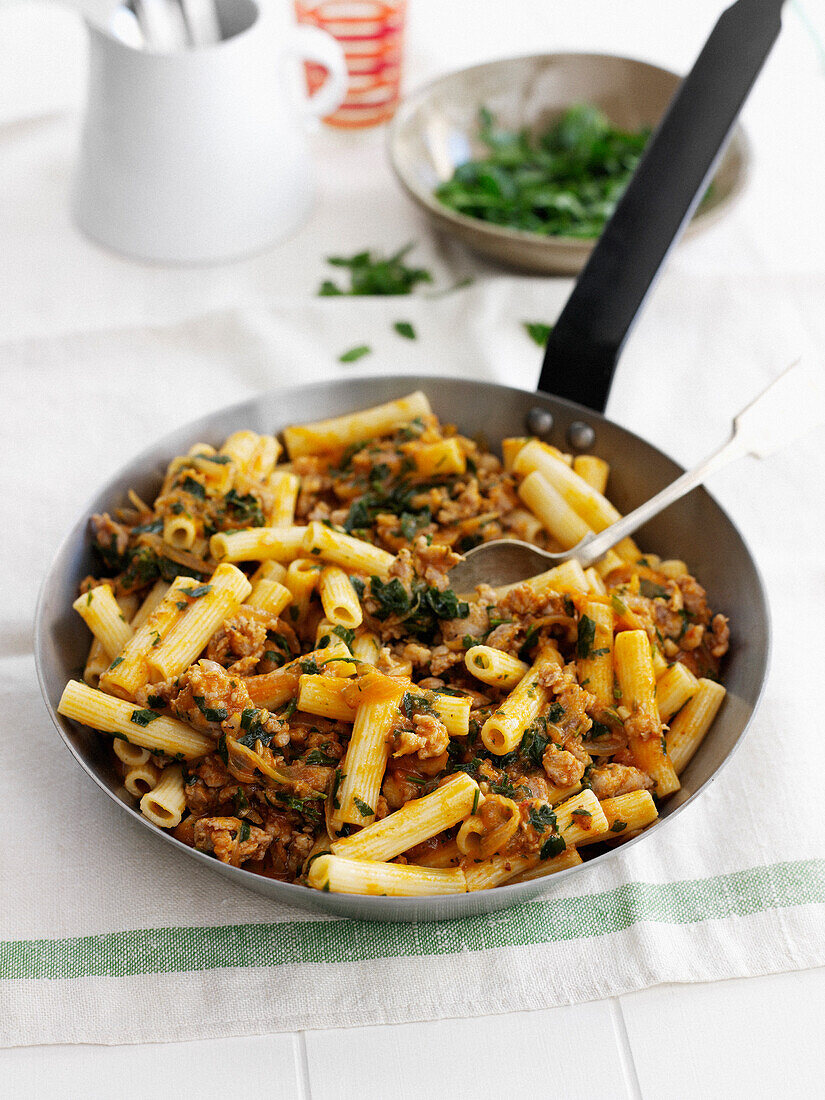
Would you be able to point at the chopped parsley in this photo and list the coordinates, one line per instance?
(618, 826)
(405, 329)
(143, 717)
(244, 831)
(652, 591)
(317, 758)
(117, 661)
(586, 637)
(538, 331)
(194, 488)
(371, 273)
(363, 808)
(211, 714)
(196, 593)
(553, 846)
(354, 353)
(542, 818)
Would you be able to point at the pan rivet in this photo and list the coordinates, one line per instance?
(580, 436)
(539, 422)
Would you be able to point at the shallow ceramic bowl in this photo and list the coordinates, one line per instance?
(436, 129)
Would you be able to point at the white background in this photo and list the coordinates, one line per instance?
(754, 1037)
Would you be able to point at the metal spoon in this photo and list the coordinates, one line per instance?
(790, 406)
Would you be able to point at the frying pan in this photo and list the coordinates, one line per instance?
(588, 336)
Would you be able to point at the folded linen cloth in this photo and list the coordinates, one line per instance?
(108, 936)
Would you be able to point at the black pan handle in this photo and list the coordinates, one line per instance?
(585, 344)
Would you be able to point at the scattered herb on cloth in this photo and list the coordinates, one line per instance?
(372, 273)
(565, 181)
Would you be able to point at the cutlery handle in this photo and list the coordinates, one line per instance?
(584, 347)
(594, 547)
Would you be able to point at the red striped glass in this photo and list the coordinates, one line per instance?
(371, 33)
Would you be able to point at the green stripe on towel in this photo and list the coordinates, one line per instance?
(174, 950)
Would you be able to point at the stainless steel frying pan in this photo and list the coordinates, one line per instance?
(589, 335)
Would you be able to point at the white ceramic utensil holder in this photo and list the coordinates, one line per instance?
(202, 155)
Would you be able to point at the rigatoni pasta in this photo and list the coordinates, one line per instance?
(302, 692)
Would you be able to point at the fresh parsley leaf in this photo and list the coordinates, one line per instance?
(117, 661)
(371, 273)
(553, 846)
(196, 593)
(211, 714)
(652, 591)
(542, 818)
(405, 329)
(586, 636)
(317, 758)
(364, 809)
(354, 353)
(618, 826)
(538, 331)
(194, 488)
(143, 717)
(244, 831)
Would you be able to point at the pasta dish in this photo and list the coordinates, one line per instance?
(292, 685)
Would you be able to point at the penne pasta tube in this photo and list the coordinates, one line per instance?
(367, 648)
(340, 432)
(673, 689)
(594, 508)
(418, 820)
(96, 663)
(269, 595)
(179, 531)
(353, 876)
(141, 726)
(272, 689)
(301, 581)
(130, 669)
(595, 582)
(165, 803)
(494, 667)
(579, 817)
(624, 814)
(487, 873)
(141, 778)
(257, 544)
(269, 570)
(608, 563)
(150, 602)
(504, 729)
(595, 471)
(99, 610)
(558, 518)
(688, 728)
(284, 487)
(594, 663)
(331, 697)
(565, 578)
(510, 448)
(338, 597)
(240, 447)
(355, 555)
(438, 459)
(628, 550)
(568, 858)
(226, 590)
(265, 455)
(362, 772)
(634, 673)
(129, 754)
(673, 568)
(499, 869)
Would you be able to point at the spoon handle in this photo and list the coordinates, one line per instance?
(591, 549)
(790, 406)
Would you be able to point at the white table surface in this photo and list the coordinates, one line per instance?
(754, 1037)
